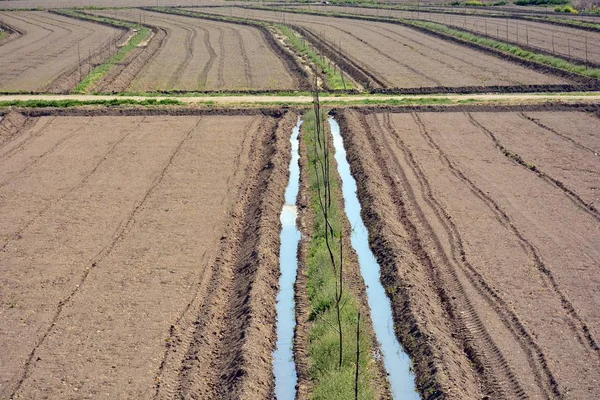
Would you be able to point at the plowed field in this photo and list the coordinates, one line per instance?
(199, 54)
(46, 55)
(139, 254)
(484, 224)
(560, 40)
(400, 57)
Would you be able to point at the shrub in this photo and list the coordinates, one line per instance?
(566, 9)
(540, 2)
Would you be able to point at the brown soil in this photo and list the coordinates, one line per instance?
(208, 55)
(139, 271)
(480, 253)
(400, 57)
(46, 56)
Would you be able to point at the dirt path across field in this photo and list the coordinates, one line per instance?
(518, 98)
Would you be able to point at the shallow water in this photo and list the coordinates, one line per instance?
(284, 366)
(396, 361)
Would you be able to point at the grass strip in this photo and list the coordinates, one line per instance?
(329, 380)
(335, 80)
(3, 34)
(78, 103)
(101, 70)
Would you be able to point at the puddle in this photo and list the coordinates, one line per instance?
(284, 366)
(396, 361)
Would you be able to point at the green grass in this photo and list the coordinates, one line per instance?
(334, 78)
(552, 61)
(78, 103)
(101, 70)
(3, 34)
(329, 381)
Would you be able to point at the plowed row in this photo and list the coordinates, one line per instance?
(45, 57)
(399, 57)
(483, 220)
(139, 254)
(199, 54)
(560, 40)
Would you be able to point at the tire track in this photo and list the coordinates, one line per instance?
(551, 130)
(118, 236)
(588, 208)
(247, 66)
(31, 164)
(189, 54)
(477, 342)
(212, 55)
(534, 354)
(577, 326)
(220, 79)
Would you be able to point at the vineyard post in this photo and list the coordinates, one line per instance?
(586, 51)
(357, 357)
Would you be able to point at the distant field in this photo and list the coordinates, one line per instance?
(46, 53)
(198, 54)
(401, 57)
(560, 40)
(10, 4)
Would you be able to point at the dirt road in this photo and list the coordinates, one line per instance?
(589, 97)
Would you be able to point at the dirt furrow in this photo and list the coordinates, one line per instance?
(189, 54)
(203, 77)
(247, 71)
